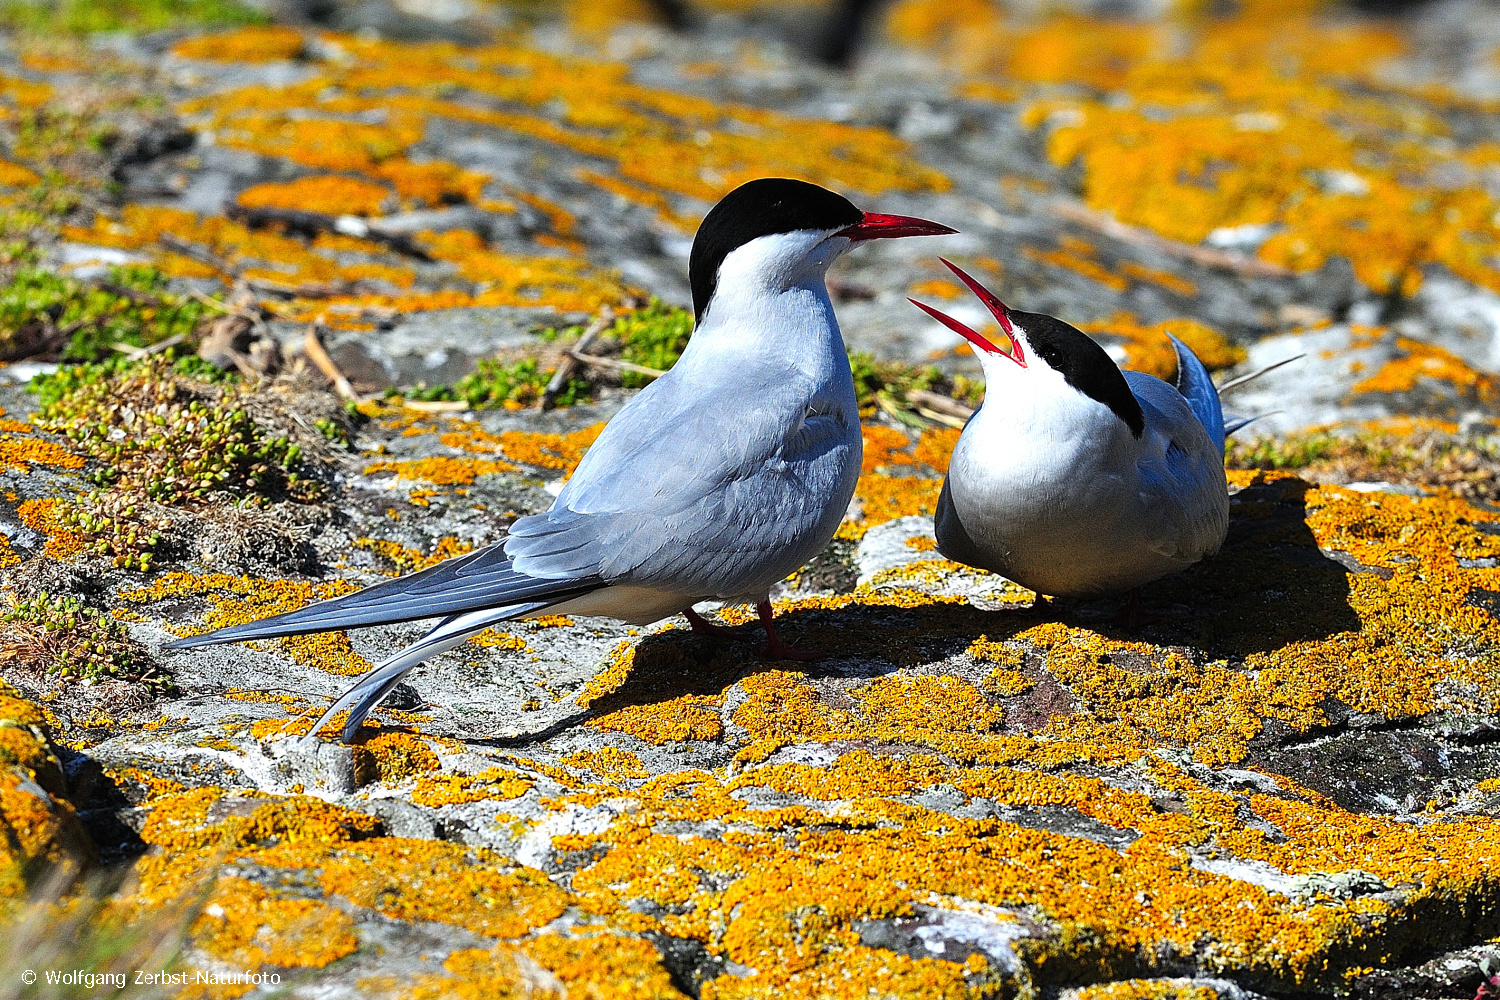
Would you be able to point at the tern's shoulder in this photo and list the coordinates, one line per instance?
(1165, 410)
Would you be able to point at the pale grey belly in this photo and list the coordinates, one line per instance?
(1108, 545)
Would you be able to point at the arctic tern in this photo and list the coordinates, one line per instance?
(716, 481)
(1073, 477)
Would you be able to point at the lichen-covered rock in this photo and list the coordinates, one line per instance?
(1289, 785)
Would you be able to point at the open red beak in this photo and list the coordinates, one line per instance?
(994, 305)
(875, 226)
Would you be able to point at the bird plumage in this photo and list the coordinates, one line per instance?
(714, 482)
(1076, 478)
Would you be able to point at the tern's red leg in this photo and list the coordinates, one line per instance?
(1132, 615)
(702, 626)
(775, 648)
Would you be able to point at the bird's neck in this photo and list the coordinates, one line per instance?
(1036, 404)
(792, 325)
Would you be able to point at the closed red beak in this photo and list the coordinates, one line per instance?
(997, 309)
(875, 226)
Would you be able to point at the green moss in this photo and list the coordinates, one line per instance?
(333, 431)
(63, 638)
(884, 384)
(654, 336)
(1297, 451)
(50, 387)
(160, 437)
(38, 308)
(172, 439)
(495, 383)
(83, 17)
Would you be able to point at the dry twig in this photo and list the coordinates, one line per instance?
(313, 346)
(570, 360)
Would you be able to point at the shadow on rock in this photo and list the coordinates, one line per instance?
(1269, 585)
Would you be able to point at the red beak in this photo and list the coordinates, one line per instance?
(875, 226)
(997, 309)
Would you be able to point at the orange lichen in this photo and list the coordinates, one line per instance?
(1429, 361)
(406, 560)
(247, 926)
(1148, 350)
(47, 517)
(398, 756)
(1086, 266)
(549, 451)
(247, 45)
(441, 469)
(333, 194)
(15, 175)
(659, 140)
(604, 965)
(609, 763)
(690, 717)
(235, 600)
(490, 639)
(452, 789)
(22, 454)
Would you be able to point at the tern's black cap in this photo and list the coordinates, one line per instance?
(1083, 364)
(760, 208)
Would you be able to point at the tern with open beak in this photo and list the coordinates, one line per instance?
(1077, 478)
(716, 481)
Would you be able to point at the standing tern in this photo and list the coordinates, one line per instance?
(716, 481)
(1074, 477)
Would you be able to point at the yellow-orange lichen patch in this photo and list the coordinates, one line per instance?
(690, 717)
(398, 756)
(451, 789)
(609, 763)
(658, 140)
(441, 470)
(22, 454)
(1429, 361)
(407, 560)
(490, 639)
(15, 175)
(251, 45)
(47, 517)
(235, 600)
(1148, 350)
(1148, 989)
(474, 974)
(1250, 121)
(549, 451)
(604, 965)
(247, 926)
(432, 183)
(332, 193)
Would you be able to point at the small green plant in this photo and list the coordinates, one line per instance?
(499, 383)
(653, 336)
(49, 387)
(84, 17)
(333, 431)
(160, 437)
(63, 638)
(1297, 451)
(41, 310)
(171, 439)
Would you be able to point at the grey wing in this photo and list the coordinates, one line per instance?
(699, 493)
(484, 578)
(1182, 478)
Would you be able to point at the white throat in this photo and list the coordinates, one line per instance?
(770, 300)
